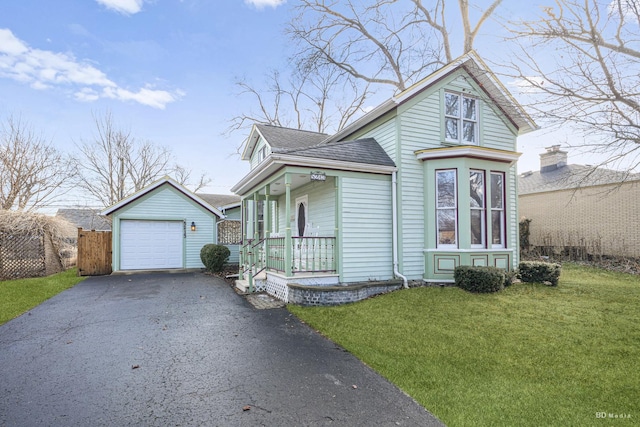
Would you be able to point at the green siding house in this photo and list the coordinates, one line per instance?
(421, 184)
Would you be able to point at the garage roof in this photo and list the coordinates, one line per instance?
(164, 181)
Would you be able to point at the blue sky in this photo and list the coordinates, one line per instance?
(164, 68)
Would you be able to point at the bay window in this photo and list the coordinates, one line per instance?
(461, 118)
(483, 216)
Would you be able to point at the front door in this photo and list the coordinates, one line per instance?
(302, 219)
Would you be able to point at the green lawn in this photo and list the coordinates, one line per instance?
(531, 355)
(18, 296)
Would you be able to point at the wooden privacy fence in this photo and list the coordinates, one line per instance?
(94, 252)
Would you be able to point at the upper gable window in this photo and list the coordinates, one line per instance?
(262, 153)
(461, 118)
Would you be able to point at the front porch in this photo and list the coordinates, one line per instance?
(290, 232)
(271, 264)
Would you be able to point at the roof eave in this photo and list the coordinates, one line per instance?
(277, 161)
(166, 180)
(472, 151)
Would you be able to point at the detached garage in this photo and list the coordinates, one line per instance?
(163, 226)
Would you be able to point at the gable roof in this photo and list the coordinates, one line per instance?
(366, 150)
(571, 177)
(163, 181)
(221, 201)
(87, 219)
(281, 139)
(482, 75)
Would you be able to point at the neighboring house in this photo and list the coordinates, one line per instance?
(87, 219)
(229, 228)
(580, 210)
(421, 184)
(163, 226)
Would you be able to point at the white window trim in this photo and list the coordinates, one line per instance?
(460, 119)
(305, 201)
(503, 218)
(483, 211)
(455, 208)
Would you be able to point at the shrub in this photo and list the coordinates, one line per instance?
(539, 272)
(479, 279)
(214, 257)
(509, 277)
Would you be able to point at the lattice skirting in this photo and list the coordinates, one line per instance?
(277, 287)
(260, 285)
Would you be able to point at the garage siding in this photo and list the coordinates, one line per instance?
(166, 203)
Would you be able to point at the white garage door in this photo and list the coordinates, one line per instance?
(148, 245)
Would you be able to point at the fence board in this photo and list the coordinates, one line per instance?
(94, 252)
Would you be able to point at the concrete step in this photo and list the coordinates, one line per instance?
(242, 285)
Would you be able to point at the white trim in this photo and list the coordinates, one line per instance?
(302, 200)
(469, 151)
(494, 250)
(149, 188)
(277, 161)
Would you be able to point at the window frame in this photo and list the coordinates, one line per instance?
(501, 210)
(460, 120)
(454, 208)
(482, 209)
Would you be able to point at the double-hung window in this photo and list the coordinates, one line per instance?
(461, 118)
(497, 210)
(446, 208)
(477, 206)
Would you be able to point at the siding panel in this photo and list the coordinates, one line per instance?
(366, 239)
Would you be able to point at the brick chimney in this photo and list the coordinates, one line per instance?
(553, 159)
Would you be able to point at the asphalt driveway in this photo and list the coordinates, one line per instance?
(182, 350)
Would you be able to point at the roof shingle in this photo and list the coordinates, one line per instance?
(280, 138)
(366, 151)
(570, 177)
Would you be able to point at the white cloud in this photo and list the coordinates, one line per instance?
(126, 7)
(261, 4)
(145, 96)
(9, 44)
(44, 69)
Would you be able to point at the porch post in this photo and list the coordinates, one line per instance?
(337, 261)
(243, 233)
(288, 250)
(256, 231)
(267, 212)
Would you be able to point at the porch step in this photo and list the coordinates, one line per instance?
(243, 284)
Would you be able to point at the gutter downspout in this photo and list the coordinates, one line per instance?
(394, 226)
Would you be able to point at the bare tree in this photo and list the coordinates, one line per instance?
(591, 80)
(32, 172)
(345, 48)
(115, 165)
(313, 98)
(390, 42)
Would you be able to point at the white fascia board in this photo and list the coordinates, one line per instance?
(166, 180)
(250, 144)
(469, 151)
(314, 162)
(277, 161)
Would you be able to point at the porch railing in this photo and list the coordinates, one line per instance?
(309, 254)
